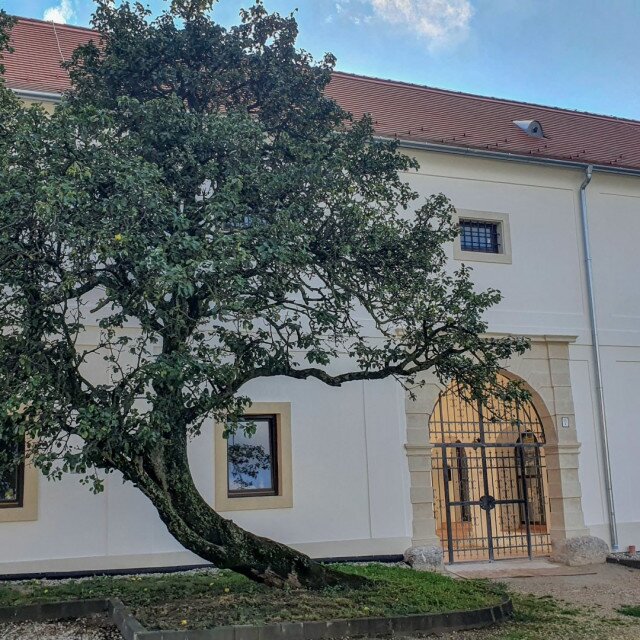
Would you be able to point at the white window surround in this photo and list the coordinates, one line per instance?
(504, 257)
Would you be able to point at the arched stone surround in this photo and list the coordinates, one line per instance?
(544, 369)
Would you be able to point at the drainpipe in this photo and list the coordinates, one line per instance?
(595, 341)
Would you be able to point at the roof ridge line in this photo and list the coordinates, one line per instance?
(62, 25)
(403, 83)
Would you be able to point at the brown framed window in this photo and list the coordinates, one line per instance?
(12, 479)
(252, 457)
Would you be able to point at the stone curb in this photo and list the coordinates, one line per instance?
(625, 562)
(53, 610)
(131, 629)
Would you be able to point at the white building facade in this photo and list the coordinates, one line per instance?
(367, 471)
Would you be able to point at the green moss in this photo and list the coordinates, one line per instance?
(630, 610)
(206, 599)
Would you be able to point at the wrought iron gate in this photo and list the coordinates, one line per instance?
(489, 478)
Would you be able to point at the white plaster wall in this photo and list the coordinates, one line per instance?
(615, 225)
(347, 464)
(350, 470)
(542, 287)
(350, 491)
(614, 219)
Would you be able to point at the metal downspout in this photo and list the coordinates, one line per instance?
(613, 527)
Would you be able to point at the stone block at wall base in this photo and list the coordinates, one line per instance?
(429, 558)
(579, 551)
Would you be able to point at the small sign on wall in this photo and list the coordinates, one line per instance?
(565, 422)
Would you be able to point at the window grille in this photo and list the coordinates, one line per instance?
(478, 235)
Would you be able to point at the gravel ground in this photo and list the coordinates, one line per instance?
(610, 588)
(545, 632)
(588, 609)
(85, 629)
(124, 576)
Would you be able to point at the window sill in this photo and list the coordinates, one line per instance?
(479, 256)
(253, 503)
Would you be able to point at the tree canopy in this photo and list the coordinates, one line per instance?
(194, 215)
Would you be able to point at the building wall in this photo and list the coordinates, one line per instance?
(351, 478)
(349, 491)
(545, 294)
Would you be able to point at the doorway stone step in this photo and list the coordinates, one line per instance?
(514, 569)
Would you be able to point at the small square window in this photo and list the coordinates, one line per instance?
(252, 460)
(12, 481)
(481, 236)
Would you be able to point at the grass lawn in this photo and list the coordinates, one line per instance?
(206, 599)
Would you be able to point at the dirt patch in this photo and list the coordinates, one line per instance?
(86, 629)
(605, 590)
(574, 607)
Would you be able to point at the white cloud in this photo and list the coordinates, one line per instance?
(62, 13)
(440, 21)
(357, 12)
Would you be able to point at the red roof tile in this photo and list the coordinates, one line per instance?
(424, 114)
(39, 48)
(406, 111)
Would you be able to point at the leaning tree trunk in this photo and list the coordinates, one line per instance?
(165, 478)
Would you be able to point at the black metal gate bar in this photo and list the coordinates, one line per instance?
(447, 497)
(489, 479)
(487, 506)
(523, 476)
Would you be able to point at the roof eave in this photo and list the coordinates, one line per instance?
(512, 157)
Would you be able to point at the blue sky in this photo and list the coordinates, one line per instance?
(578, 54)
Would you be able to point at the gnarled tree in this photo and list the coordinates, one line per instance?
(202, 215)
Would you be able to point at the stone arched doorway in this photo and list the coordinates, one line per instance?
(544, 369)
(489, 478)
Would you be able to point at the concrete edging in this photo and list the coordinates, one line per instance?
(625, 562)
(131, 629)
(53, 610)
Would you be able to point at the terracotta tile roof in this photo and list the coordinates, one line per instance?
(39, 48)
(409, 112)
(423, 114)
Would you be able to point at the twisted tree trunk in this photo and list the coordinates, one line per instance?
(165, 478)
